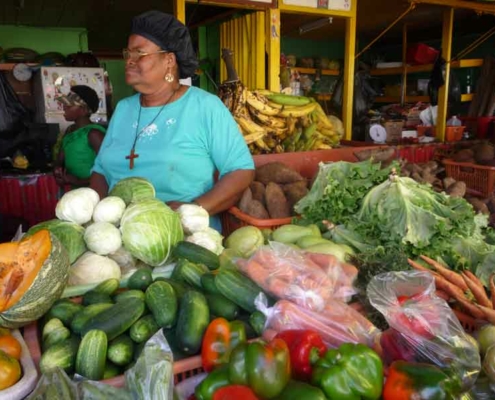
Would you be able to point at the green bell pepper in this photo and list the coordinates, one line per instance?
(351, 372)
(296, 390)
(265, 368)
(214, 381)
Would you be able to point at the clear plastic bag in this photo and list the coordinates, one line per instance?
(290, 274)
(337, 323)
(425, 326)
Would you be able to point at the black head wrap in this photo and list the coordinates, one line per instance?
(171, 35)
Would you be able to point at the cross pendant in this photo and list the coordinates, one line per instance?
(131, 158)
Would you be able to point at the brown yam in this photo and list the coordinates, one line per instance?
(448, 182)
(478, 205)
(457, 189)
(463, 155)
(378, 155)
(295, 192)
(428, 177)
(276, 202)
(484, 153)
(257, 210)
(246, 199)
(417, 177)
(278, 173)
(258, 191)
(432, 165)
(491, 204)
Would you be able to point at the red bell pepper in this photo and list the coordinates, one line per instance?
(220, 338)
(234, 392)
(305, 347)
(411, 323)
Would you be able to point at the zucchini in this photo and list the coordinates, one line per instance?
(83, 316)
(143, 329)
(61, 355)
(108, 286)
(238, 288)
(111, 370)
(126, 294)
(64, 310)
(196, 254)
(194, 317)
(161, 300)
(208, 284)
(140, 279)
(121, 350)
(190, 273)
(95, 298)
(117, 319)
(171, 337)
(92, 355)
(220, 306)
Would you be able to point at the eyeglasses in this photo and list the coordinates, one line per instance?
(137, 54)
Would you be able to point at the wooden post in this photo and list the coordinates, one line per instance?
(272, 39)
(443, 95)
(404, 65)
(349, 67)
(180, 10)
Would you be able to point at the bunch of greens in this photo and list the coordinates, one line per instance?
(338, 189)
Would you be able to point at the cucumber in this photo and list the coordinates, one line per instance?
(108, 286)
(121, 350)
(180, 288)
(95, 298)
(161, 300)
(220, 306)
(111, 370)
(83, 316)
(237, 288)
(208, 284)
(190, 273)
(194, 317)
(171, 336)
(143, 329)
(64, 310)
(135, 294)
(140, 279)
(257, 320)
(138, 348)
(61, 355)
(56, 336)
(92, 355)
(116, 319)
(52, 325)
(196, 254)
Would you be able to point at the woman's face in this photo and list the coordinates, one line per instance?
(146, 72)
(71, 113)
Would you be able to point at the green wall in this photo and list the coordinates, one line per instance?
(116, 73)
(44, 40)
(332, 49)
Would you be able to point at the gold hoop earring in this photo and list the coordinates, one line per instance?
(169, 77)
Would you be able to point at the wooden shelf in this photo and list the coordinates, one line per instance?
(312, 71)
(324, 97)
(416, 99)
(10, 66)
(470, 63)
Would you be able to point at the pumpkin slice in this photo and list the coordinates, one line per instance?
(33, 274)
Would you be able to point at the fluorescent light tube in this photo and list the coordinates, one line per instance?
(311, 26)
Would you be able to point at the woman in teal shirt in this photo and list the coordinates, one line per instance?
(82, 140)
(173, 135)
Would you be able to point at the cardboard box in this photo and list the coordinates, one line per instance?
(394, 130)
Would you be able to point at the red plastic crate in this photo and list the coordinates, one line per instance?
(421, 54)
(478, 178)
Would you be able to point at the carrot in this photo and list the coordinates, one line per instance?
(492, 289)
(474, 278)
(488, 314)
(468, 322)
(442, 295)
(478, 293)
(419, 267)
(473, 309)
(451, 276)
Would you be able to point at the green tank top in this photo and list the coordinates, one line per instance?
(79, 155)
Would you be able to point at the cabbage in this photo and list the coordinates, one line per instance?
(77, 205)
(102, 238)
(193, 218)
(110, 209)
(133, 189)
(71, 236)
(92, 268)
(149, 231)
(245, 240)
(208, 238)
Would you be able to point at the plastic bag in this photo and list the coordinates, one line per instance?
(152, 377)
(337, 323)
(185, 389)
(425, 324)
(12, 111)
(290, 274)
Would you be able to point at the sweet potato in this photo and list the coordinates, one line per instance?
(478, 205)
(258, 191)
(257, 210)
(276, 202)
(295, 192)
(246, 199)
(463, 155)
(378, 155)
(276, 172)
(457, 189)
(447, 182)
(484, 153)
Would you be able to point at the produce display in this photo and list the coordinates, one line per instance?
(382, 286)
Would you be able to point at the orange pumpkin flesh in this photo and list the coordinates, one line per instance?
(20, 263)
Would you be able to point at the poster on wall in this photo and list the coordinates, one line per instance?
(341, 5)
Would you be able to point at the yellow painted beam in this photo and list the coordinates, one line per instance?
(443, 95)
(470, 5)
(349, 65)
(260, 50)
(180, 10)
(272, 40)
(289, 9)
(242, 6)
